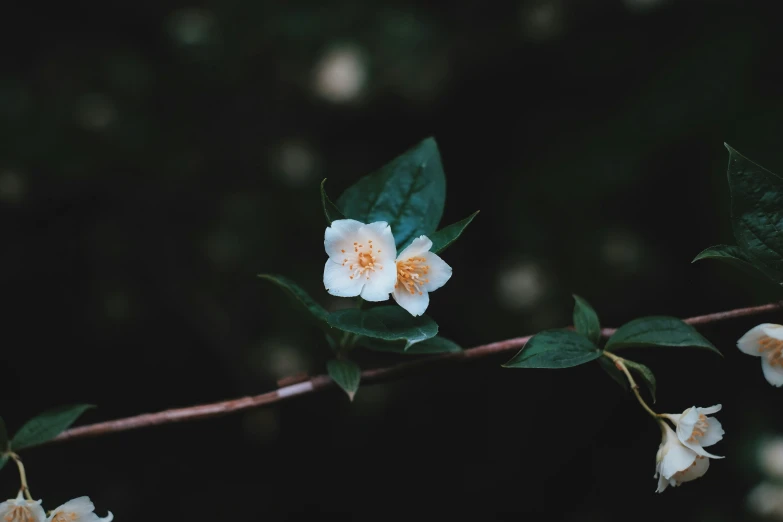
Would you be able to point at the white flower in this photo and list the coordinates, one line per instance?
(675, 463)
(696, 431)
(78, 510)
(419, 272)
(22, 510)
(766, 341)
(361, 259)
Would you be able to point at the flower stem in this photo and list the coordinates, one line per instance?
(22, 475)
(619, 363)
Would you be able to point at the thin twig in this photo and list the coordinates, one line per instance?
(322, 382)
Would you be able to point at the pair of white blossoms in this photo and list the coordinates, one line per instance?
(681, 456)
(77, 510)
(363, 261)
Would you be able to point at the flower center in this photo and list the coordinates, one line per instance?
(20, 514)
(411, 274)
(64, 517)
(700, 428)
(773, 349)
(362, 262)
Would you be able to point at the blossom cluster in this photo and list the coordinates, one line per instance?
(80, 509)
(363, 261)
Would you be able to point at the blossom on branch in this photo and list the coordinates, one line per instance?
(22, 510)
(676, 463)
(696, 430)
(419, 272)
(361, 259)
(766, 341)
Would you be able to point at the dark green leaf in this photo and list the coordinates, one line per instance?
(389, 323)
(645, 373)
(330, 209)
(757, 213)
(433, 345)
(734, 256)
(657, 331)
(447, 235)
(586, 320)
(617, 375)
(555, 349)
(408, 193)
(3, 436)
(346, 374)
(302, 297)
(47, 425)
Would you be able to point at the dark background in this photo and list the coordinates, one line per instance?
(156, 156)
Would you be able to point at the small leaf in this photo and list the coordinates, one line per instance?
(586, 320)
(645, 373)
(389, 323)
(331, 211)
(734, 255)
(657, 331)
(302, 297)
(346, 374)
(757, 213)
(408, 193)
(444, 237)
(555, 349)
(433, 345)
(3, 437)
(617, 375)
(47, 425)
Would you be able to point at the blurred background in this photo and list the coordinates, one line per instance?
(156, 156)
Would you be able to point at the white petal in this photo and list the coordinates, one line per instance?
(710, 410)
(714, 433)
(438, 273)
(749, 343)
(382, 239)
(773, 374)
(698, 469)
(80, 505)
(774, 330)
(107, 518)
(380, 283)
(337, 280)
(662, 484)
(676, 459)
(418, 246)
(686, 423)
(340, 236)
(414, 303)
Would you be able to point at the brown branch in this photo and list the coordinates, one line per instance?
(321, 382)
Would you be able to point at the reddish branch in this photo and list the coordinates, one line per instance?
(321, 382)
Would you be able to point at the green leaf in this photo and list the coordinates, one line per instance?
(330, 209)
(734, 256)
(757, 213)
(433, 345)
(346, 374)
(586, 320)
(3, 436)
(408, 193)
(555, 349)
(645, 373)
(47, 425)
(617, 375)
(657, 331)
(389, 323)
(444, 237)
(302, 297)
